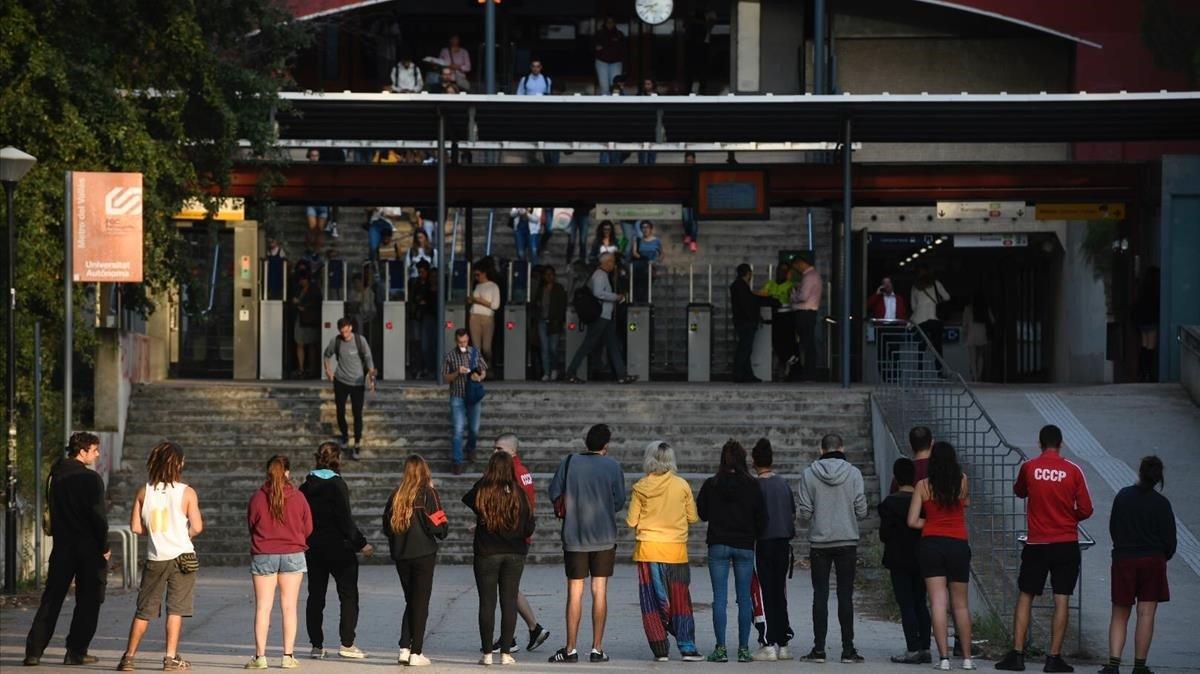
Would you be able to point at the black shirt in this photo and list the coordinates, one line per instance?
(77, 512)
(512, 542)
(1141, 524)
(734, 508)
(899, 541)
(333, 525)
(745, 304)
(422, 535)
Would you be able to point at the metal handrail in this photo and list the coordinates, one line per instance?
(918, 387)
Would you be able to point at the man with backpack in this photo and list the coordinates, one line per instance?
(594, 303)
(355, 373)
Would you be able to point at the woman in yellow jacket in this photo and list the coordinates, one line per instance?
(661, 510)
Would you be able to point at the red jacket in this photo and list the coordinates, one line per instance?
(876, 307)
(1058, 498)
(269, 537)
(526, 482)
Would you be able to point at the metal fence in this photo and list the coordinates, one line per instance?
(917, 388)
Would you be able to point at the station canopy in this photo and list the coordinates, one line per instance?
(881, 118)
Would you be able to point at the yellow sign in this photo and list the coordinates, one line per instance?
(1080, 212)
(227, 209)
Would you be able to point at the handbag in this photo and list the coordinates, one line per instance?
(560, 503)
(475, 391)
(187, 563)
(941, 307)
(437, 518)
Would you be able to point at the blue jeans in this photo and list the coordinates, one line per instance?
(606, 73)
(691, 228)
(631, 230)
(549, 346)
(647, 157)
(375, 232)
(720, 558)
(460, 415)
(578, 232)
(526, 242)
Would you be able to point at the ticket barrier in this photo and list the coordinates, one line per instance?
(639, 323)
(456, 300)
(333, 307)
(699, 336)
(272, 300)
(573, 339)
(516, 320)
(395, 319)
(761, 356)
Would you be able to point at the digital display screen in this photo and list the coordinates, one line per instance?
(731, 195)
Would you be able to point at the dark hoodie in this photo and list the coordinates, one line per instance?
(328, 497)
(421, 537)
(733, 506)
(899, 541)
(76, 502)
(831, 494)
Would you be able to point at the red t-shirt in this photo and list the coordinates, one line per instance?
(270, 537)
(1058, 498)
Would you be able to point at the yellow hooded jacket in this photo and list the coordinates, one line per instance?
(661, 510)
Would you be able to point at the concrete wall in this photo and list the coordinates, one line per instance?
(1081, 317)
(1180, 239)
(1189, 363)
(782, 27)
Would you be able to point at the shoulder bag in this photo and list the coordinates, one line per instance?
(475, 391)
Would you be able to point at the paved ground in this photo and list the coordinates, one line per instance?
(219, 635)
(1108, 429)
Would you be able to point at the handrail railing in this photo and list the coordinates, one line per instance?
(918, 388)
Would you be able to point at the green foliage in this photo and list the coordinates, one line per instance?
(1171, 31)
(166, 88)
(1097, 246)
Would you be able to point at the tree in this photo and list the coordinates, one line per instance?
(166, 88)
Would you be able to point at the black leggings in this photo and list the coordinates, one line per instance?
(503, 572)
(343, 566)
(416, 577)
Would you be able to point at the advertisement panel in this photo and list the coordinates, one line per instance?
(106, 227)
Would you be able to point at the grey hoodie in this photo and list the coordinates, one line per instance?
(832, 496)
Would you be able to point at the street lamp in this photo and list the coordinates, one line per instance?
(14, 164)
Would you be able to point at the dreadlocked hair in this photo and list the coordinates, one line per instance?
(404, 499)
(165, 464)
(498, 500)
(277, 469)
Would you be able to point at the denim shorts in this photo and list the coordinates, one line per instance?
(317, 212)
(269, 565)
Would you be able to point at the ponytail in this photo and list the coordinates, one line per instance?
(277, 480)
(1150, 473)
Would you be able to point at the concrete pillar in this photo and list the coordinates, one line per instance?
(747, 46)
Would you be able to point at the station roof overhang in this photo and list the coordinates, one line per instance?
(883, 118)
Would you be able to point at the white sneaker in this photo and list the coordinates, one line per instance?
(351, 651)
(554, 375)
(545, 377)
(404, 656)
(485, 659)
(767, 653)
(418, 660)
(942, 665)
(967, 663)
(317, 653)
(507, 659)
(785, 653)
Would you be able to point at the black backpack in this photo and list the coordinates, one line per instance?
(586, 305)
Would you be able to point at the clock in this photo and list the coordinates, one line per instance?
(653, 12)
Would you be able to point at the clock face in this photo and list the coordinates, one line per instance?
(653, 12)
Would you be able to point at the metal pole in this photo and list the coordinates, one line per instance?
(68, 315)
(819, 69)
(37, 453)
(443, 275)
(10, 488)
(489, 46)
(846, 251)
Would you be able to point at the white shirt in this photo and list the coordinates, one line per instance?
(924, 302)
(165, 521)
(407, 80)
(490, 293)
(533, 215)
(889, 307)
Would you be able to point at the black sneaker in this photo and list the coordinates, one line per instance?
(851, 657)
(1110, 669)
(1055, 663)
(561, 655)
(813, 656)
(513, 648)
(597, 656)
(1013, 661)
(1142, 670)
(537, 637)
(32, 660)
(75, 659)
(355, 451)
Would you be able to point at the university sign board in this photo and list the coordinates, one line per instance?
(105, 214)
(1093, 211)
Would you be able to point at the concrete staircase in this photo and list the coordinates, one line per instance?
(229, 431)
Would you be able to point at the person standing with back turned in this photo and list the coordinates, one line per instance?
(79, 525)
(355, 374)
(773, 552)
(1058, 500)
(591, 487)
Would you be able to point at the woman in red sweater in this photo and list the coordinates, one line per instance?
(938, 509)
(280, 523)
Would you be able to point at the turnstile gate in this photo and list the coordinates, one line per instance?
(516, 320)
(271, 302)
(699, 327)
(456, 302)
(333, 307)
(575, 332)
(639, 324)
(761, 356)
(395, 319)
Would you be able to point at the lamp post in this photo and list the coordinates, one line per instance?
(14, 164)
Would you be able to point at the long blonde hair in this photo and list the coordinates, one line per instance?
(416, 478)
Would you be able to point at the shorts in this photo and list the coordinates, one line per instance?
(598, 564)
(180, 588)
(269, 565)
(942, 556)
(1058, 560)
(1141, 579)
(317, 212)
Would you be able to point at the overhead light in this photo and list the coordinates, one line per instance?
(903, 262)
(924, 249)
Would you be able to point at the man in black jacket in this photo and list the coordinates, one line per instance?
(900, 559)
(79, 525)
(744, 305)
